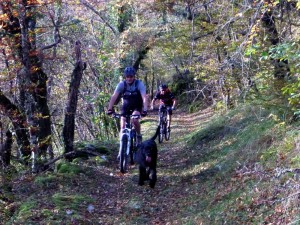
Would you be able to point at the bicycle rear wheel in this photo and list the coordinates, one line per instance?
(123, 155)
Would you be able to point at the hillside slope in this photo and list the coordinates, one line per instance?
(235, 169)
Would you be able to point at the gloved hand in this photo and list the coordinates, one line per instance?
(173, 107)
(144, 113)
(110, 111)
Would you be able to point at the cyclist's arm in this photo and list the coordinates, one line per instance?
(142, 90)
(115, 95)
(174, 102)
(113, 100)
(152, 102)
(172, 97)
(145, 101)
(156, 97)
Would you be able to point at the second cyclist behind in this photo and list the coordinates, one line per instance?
(167, 99)
(134, 100)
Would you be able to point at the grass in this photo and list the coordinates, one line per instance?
(238, 168)
(67, 201)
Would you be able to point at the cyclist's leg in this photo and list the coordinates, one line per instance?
(125, 110)
(136, 122)
(169, 118)
(160, 112)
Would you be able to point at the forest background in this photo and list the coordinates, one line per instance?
(61, 60)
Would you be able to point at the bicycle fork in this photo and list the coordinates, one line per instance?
(128, 144)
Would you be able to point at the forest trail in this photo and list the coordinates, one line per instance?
(100, 194)
(119, 199)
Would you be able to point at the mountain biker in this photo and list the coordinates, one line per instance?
(167, 99)
(134, 100)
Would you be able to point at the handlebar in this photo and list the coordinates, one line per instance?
(118, 115)
(162, 107)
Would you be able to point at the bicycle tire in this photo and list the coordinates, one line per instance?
(132, 150)
(167, 133)
(161, 132)
(123, 155)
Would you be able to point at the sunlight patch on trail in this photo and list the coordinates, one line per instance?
(198, 168)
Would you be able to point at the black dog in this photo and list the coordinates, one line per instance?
(146, 157)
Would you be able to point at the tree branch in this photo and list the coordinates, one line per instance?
(86, 4)
(71, 155)
(57, 38)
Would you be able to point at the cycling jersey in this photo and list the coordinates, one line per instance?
(131, 95)
(166, 98)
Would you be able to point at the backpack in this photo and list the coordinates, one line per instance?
(121, 95)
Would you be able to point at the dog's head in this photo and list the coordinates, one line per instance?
(148, 150)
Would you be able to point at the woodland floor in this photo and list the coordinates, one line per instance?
(120, 199)
(117, 198)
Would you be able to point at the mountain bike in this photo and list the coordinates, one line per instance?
(165, 131)
(127, 142)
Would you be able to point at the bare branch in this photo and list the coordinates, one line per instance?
(74, 154)
(57, 38)
(86, 4)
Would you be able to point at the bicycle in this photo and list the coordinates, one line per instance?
(127, 142)
(165, 132)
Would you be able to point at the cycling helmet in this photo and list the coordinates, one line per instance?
(129, 71)
(163, 86)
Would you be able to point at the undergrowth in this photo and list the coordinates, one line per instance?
(255, 161)
(241, 167)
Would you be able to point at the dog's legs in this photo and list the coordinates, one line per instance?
(153, 177)
(142, 175)
(148, 174)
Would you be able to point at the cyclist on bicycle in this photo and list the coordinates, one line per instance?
(167, 100)
(134, 100)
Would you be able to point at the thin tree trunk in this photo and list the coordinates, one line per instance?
(281, 67)
(5, 150)
(19, 124)
(69, 122)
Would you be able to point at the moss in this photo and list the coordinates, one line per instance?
(70, 168)
(65, 201)
(46, 181)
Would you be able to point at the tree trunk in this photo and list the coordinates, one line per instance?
(31, 79)
(69, 122)
(281, 67)
(19, 124)
(5, 150)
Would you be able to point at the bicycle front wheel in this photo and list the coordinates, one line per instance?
(161, 132)
(167, 133)
(123, 155)
(132, 150)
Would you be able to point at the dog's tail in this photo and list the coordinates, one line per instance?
(156, 133)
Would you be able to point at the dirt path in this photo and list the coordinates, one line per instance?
(116, 198)
(119, 200)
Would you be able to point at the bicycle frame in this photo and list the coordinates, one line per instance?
(163, 115)
(127, 141)
(163, 121)
(129, 132)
